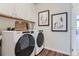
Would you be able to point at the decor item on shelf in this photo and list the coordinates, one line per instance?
(21, 26)
(31, 26)
(59, 22)
(10, 29)
(43, 18)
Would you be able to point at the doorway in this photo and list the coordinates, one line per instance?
(77, 35)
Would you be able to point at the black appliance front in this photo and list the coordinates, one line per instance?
(40, 39)
(25, 45)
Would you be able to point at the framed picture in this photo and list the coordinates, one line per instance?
(59, 22)
(43, 18)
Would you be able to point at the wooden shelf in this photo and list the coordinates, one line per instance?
(15, 18)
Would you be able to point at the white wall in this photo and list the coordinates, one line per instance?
(58, 41)
(7, 8)
(25, 11)
(5, 23)
(22, 10)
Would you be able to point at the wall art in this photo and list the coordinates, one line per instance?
(59, 22)
(43, 18)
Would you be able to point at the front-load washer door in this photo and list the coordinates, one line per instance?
(40, 39)
(25, 45)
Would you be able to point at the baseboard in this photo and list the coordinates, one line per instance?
(57, 51)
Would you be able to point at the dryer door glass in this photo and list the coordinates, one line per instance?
(25, 45)
(40, 39)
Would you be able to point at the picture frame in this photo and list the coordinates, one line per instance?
(43, 18)
(59, 22)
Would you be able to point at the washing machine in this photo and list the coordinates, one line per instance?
(39, 41)
(17, 43)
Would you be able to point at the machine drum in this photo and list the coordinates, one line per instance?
(25, 45)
